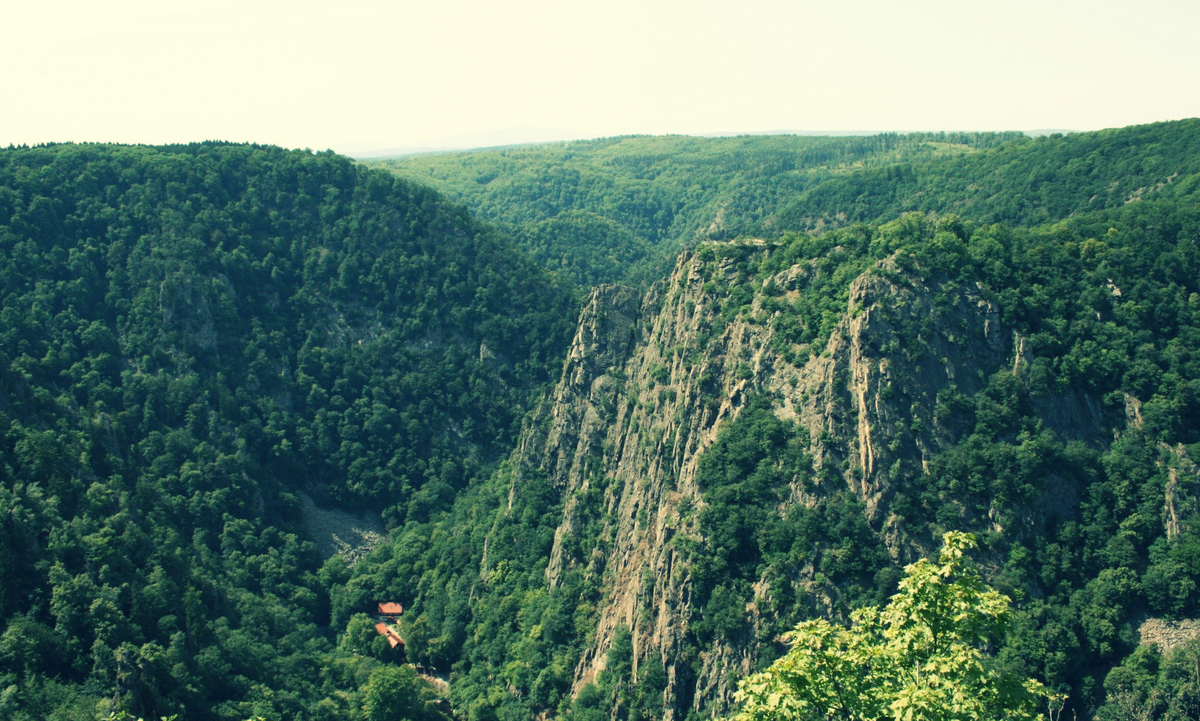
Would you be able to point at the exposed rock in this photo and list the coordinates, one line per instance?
(648, 385)
(870, 400)
(338, 532)
(1182, 492)
(1133, 412)
(1168, 634)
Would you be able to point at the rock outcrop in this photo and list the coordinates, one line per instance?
(337, 532)
(1167, 634)
(650, 382)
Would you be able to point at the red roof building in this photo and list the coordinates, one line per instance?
(393, 639)
(390, 609)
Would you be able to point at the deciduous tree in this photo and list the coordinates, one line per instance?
(922, 657)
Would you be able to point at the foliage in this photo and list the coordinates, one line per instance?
(921, 657)
(1078, 575)
(1027, 182)
(478, 605)
(395, 692)
(1109, 304)
(1150, 685)
(747, 476)
(619, 209)
(190, 336)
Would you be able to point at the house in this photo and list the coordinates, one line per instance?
(389, 613)
(392, 637)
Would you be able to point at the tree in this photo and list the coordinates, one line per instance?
(922, 657)
(396, 693)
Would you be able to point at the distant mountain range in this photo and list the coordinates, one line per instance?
(518, 135)
(533, 135)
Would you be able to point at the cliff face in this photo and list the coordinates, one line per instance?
(648, 386)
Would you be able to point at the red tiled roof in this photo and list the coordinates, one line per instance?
(391, 609)
(393, 639)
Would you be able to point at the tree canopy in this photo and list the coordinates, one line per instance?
(190, 337)
(619, 209)
(921, 658)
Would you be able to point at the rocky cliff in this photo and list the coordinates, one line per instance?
(651, 381)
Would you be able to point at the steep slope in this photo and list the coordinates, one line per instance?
(775, 429)
(1022, 183)
(190, 337)
(619, 209)
(669, 408)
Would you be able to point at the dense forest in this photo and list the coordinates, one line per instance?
(192, 336)
(196, 337)
(1107, 303)
(619, 209)
(1082, 582)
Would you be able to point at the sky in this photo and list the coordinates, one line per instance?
(357, 75)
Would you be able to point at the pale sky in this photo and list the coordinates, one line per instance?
(363, 73)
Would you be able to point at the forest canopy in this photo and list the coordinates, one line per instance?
(190, 337)
(193, 336)
(921, 657)
(1080, 581)
(645, 198)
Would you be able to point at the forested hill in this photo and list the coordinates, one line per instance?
(1026, 182)
(192, 335)
(774, 430)
(619, 209)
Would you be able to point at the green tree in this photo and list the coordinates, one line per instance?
(921, 657)
(396, 693)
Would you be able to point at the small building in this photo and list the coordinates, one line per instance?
(390, 610)
(392, 637)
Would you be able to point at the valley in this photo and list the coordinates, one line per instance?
(608, 418)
